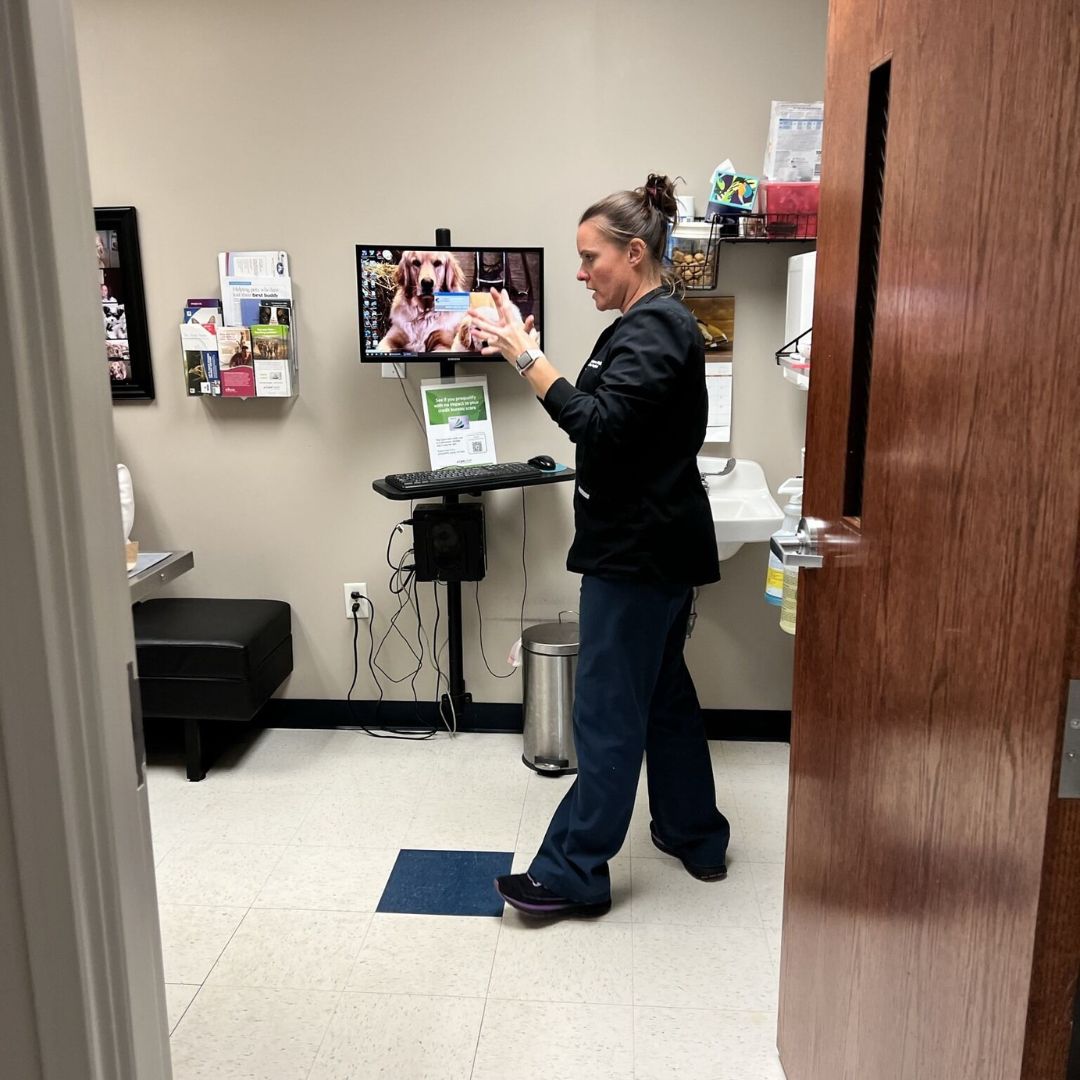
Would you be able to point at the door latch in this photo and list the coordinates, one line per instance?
(1069, 783)
(803, 548)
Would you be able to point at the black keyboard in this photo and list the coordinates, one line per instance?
(459, 476)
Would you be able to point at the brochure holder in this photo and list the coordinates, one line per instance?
(244, 345)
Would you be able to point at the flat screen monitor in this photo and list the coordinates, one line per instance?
(414, 302)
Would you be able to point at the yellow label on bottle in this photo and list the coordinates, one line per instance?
(789, 605)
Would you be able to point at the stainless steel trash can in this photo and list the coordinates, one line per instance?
(549, 653)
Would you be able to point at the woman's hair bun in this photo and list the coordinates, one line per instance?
(659, 192)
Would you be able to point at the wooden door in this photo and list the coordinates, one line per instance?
(932, 898)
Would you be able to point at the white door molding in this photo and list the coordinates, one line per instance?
(79, 907)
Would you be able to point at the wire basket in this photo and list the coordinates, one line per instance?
(766, 227)
(692, 254)
(781, 226)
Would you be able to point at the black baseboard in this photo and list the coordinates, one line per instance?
(762, 725)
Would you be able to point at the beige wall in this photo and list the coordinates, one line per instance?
(312, 126)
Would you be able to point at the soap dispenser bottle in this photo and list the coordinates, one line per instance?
(789, 603)
(774, 575)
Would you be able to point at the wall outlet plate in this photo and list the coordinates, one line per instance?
(394, 371)
(365, 608)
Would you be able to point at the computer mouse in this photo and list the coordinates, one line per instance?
(542, 461)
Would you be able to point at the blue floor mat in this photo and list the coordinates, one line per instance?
(445, 883)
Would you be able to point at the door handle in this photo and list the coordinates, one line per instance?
(803, 548)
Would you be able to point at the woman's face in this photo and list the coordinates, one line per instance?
(605, 268)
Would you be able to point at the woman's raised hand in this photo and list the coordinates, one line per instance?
(508, 335)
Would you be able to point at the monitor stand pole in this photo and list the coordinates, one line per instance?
(456, 702)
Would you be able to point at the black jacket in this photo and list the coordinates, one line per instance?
(637, 418)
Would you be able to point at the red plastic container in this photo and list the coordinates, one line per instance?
(790, 208)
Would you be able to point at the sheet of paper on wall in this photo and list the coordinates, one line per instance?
(252, 275)
(457, 415)
(718, 379)
(793, 147)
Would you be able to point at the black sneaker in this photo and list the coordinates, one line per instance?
(531, 898)
(702, 873)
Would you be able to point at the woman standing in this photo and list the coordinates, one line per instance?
(643, 539)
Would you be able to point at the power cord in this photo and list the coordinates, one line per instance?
(524, 565)
(400, 587)
(405, 735)
(408, 401)
(404, 586)
(452, 726)
(483, 655)
(524, 593)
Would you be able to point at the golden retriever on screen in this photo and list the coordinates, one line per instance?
(415, 325)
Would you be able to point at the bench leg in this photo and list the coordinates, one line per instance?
(193, 749)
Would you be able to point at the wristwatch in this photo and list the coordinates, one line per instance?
(527, 359)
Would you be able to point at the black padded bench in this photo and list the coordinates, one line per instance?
(208, 659)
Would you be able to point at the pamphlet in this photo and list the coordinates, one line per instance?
(273, 366)
(273, 378)
(199, 343)
(234, 346)
(457, 415)
(206, 312)
(252, 275)
(237, 362)
(266, 312)
(270, 342)
(238, 381)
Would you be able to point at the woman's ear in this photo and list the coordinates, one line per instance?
(635, 250)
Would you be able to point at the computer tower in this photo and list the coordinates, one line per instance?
(448, 542)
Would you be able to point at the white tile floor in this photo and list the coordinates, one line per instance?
(278, 967)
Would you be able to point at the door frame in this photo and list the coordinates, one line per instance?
(80, 912)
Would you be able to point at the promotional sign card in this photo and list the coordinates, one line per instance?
(457, 415)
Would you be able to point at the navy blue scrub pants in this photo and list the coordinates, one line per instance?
(632, 695)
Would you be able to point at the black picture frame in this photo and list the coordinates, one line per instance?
(123, 304)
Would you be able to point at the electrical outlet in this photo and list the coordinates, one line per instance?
(393, 371)
(365, 608)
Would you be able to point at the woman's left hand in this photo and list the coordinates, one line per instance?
(509, 336)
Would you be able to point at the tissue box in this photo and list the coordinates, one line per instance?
(732, 193)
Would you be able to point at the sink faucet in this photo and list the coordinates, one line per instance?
(728, 468)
